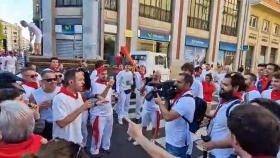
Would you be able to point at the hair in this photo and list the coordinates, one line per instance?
(70, 75)
(43, 73)
(256, 129)
(276, 74)
(196, 69)
(187, 78)
(272, 106)
(53, 58)
(16, 122)
(261, 65)
(210, 76)
(9, 93)
(276, 67)
(187, 67)
(98, 64)
(26, 69)
(252, 76)
(240, 69)
(237, 80)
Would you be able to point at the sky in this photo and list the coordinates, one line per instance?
(13, 11)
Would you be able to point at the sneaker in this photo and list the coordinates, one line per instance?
(135, 143)
(120, 121)
(129, 139)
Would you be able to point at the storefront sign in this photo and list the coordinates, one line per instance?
(68, 29)
(154, 36)
(197, 42)
(231, 47)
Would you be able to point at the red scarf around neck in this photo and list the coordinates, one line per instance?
(32, 145)
(101, 81)
(252, 88)
(65, 91)
(180, 94)
(275, 95)
(264, 83)
(31, 84)
(54, 68)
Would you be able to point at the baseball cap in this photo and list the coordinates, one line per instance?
(9, 80)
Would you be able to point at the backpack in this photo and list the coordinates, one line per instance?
(200, 110)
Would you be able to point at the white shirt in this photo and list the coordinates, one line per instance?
(219, 130)
(150, 105)
(11, 61)
(248, 96)
(104, 109)
(28, 90)
(197, 89)
(33, 28)
(40, 96)
(177, 131)
(93, 76)
(267, 94)
(63, 105)
(138, 80)
(125, 80)
(205, 72)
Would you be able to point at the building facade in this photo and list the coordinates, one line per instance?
(186, 30)
(12, 33)
(263, 37)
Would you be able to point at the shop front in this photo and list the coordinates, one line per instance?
(195, 50)
(226, 54)
(110, 35)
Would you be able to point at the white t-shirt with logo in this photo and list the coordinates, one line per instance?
(40, 96)
(104, 109)
(150, 105)
(63, 105)
(219, 130)
(177, 131)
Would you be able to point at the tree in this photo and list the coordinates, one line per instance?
(2, 36)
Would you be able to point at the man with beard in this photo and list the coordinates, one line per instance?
(220, 145)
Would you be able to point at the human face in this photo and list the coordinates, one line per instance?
(260, 70)
(30, 76)
(49, 82)
(121, 67)
(226, 91)
(180, 84)
(103, 76)
(156, 76)
(208, 67)
(275, 83)
(269, 70)
(207, 79)
(54, 63)
(79, 82)
(247, 80)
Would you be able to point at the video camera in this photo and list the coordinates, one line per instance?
(166, 90)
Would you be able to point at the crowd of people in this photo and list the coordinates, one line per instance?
(61, 111)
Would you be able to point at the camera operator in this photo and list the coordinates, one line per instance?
(220, 145)
(176, 128)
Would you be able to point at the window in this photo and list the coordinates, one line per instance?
(277, 29)
(265, 27)
(156, 9)
(199, 14)
(253, 21)
(69, 3)
(111, 5)
(230, 17)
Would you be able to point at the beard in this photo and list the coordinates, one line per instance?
(226, 95)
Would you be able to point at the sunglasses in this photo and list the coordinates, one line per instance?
(50, 79)
(59, 76)
(33, 76)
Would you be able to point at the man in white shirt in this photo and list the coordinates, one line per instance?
(54, 64)
(220, 145)
(44, 98)
(93, 75)
(274, 93)
(34, 30)
(101, 115)
(198, 74)
(206, 71)
(30, 84)
(69, 109)
(176, 127)
(124, 83)
(10, 63)
(196, 87)
(251, 91)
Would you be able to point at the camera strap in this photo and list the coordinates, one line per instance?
(175, 102)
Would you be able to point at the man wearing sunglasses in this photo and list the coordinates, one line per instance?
(30, 84)
(43, 97)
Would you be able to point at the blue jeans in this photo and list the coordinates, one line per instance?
(176, 151)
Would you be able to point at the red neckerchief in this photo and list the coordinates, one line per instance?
(101, 81)
(252, 88)
(65, 91)
(54, 68)
(180, 94)
(275, 95)
(264, 83)
(31, 84)
(32, 145)
(142, 74)
(263, 157)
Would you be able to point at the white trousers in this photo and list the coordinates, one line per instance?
(124, 105)
(139, 102)
(102, 127)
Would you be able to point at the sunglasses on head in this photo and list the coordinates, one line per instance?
(33, 76)
(50, 79)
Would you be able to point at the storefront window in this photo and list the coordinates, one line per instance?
(249, 57)
(273, 55)
(156, 9)
(195, 55)
(199, 13)
(230, 17)
(111, 5)
(225, 58)
(153, 46)
(69, 3)
(262, 54)
(109, 48)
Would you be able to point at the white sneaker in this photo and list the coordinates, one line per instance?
(120, 121)
(129, 139)
(135, 143)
